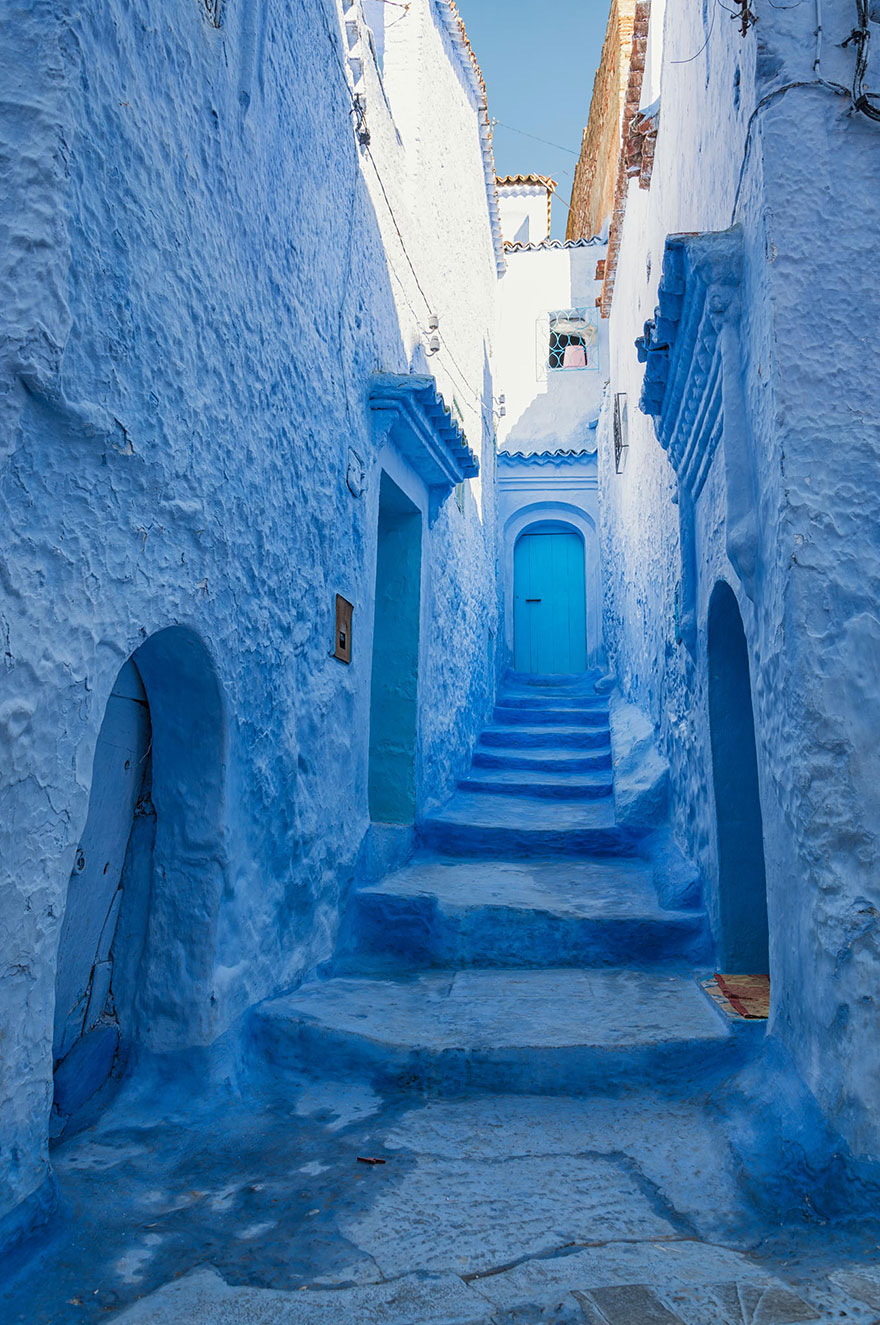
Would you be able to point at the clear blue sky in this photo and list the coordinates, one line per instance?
(538, 61)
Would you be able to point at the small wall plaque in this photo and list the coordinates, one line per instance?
(342, 636)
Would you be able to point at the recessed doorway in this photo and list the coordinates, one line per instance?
(549, 617)
(740, 832)
(395, 676)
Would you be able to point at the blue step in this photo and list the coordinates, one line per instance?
(478, 824)
(552, 717)
(585, 738)
(542, 759)
(555, 1031)
(553, 785)
(578, 703)
(439, 911)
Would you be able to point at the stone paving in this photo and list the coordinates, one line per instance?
(450, 1127)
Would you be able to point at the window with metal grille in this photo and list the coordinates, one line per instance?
(574, 339)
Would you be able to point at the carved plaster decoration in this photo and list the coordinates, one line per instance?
(693, 390)
(410, 414)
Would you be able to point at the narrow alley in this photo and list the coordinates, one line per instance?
(440, 557)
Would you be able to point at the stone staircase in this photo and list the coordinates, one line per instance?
(523, 949)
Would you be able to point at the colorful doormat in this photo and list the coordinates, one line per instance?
(749, 995)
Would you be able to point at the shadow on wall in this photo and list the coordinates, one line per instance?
(740, 835)
(136, 953)
(395, 675)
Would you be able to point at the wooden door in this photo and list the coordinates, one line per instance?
(93, 893)
(549, 626)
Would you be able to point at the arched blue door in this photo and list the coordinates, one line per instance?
(549, 615)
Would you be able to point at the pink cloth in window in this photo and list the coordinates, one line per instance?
(575, 356)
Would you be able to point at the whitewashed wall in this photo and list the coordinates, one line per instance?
(546, 409)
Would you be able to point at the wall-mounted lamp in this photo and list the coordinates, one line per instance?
(359, 111)
(432, 343)
(433, 322)
(621, 431)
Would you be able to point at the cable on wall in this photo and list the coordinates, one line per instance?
(362, 133)
(866, 103)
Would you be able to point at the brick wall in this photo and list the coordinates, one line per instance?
(595, 178)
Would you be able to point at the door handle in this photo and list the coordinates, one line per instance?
(533, 600)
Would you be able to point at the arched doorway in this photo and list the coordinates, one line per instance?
(549, 614)
(740, 834)
(137, 945)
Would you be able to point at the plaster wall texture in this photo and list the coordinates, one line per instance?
(525, 212)
(547, 409)
(200, 277)
(810, 480)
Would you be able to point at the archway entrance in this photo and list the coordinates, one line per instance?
(741, 873)
(549, 615)
(394, 688)
(137, 948)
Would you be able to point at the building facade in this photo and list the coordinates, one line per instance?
(310, 433)
(249, 615)
(552, 366)
(738, 485)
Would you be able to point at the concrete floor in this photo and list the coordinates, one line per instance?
(213, 1206)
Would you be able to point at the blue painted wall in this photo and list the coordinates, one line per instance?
(198, 295)
(784, 511)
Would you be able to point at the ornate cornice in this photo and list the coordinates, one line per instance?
(415, 418)
(699, 290)
(511, 245)
(694, 391)
(512, 458)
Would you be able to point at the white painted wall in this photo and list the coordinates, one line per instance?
(422, 113)
(525, 215)
(547, 410)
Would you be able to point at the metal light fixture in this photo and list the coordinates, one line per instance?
(621, 431)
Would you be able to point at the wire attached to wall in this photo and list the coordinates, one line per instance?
(867, 103)
(362, 132)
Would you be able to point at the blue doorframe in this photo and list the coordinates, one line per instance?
(549, 614)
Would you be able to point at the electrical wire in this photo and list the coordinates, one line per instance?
(691, 58)
(765, 101)
(357, 111)
(867, 103)
(534, 136)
